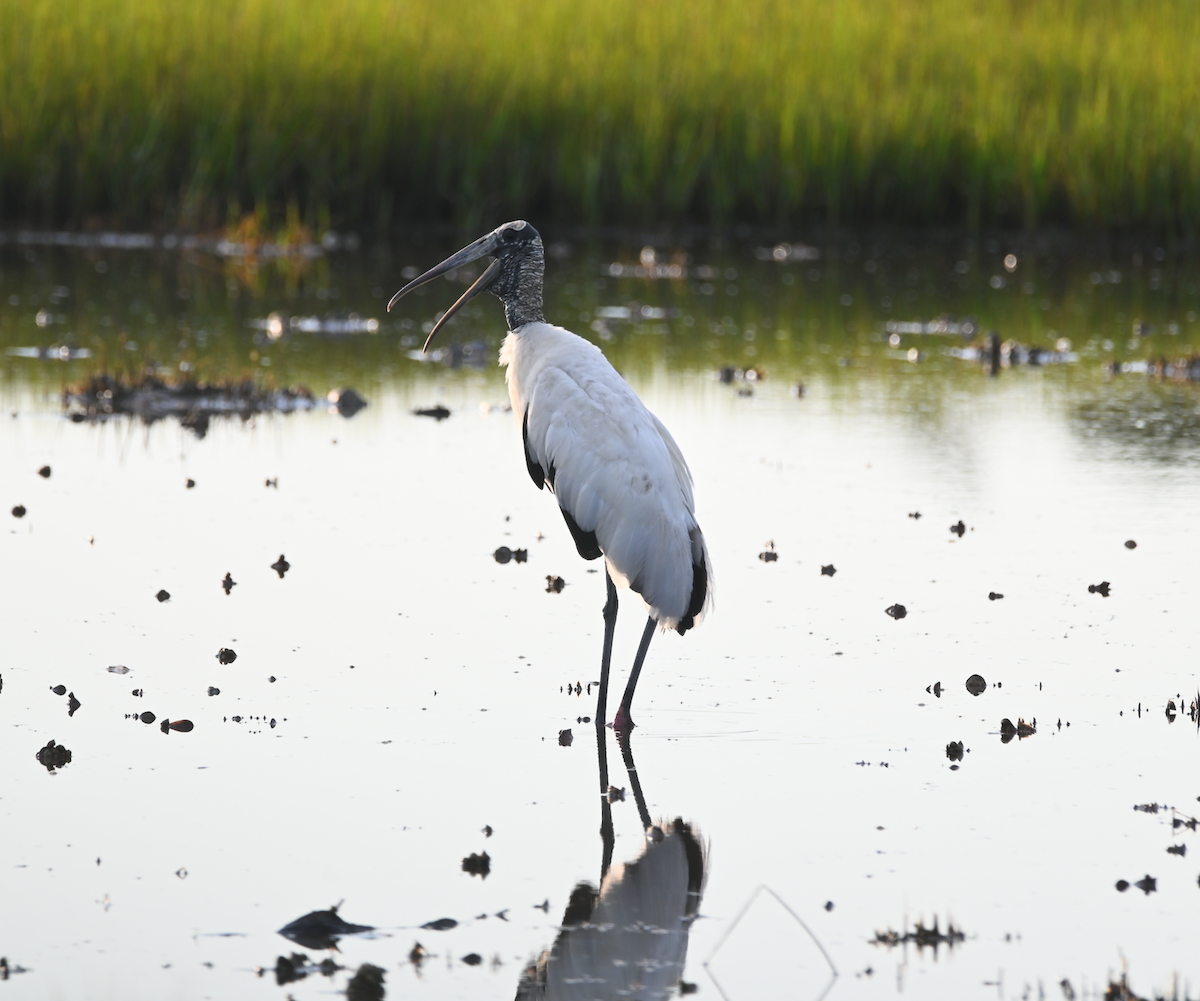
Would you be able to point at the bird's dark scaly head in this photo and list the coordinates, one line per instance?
(514, 276)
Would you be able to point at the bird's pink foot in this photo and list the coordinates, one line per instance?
(622, 722)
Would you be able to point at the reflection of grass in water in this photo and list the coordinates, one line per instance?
(990, 110)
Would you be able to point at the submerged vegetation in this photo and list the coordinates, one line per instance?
(376, 112)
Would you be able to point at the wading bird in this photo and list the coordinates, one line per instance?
(619, 478)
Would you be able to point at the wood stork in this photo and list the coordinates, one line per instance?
(619, 478)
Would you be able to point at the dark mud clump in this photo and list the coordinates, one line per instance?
(163, 595)
(554, 585)
(828, 570)
(281, 566)
(226, 656)
(959, 529)
(976, 685)
(228, 584)
(366, 984)
(53, 756)
(320, 929)
(438, 413)
(19, 511)
(896, 611)
(44, 472)
(1101, 589)
(477, 865)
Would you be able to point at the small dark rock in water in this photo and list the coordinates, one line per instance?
(44, 472)
(994, 596)
(1147, 884)
(976, 685)
(477, 865)
(163, 595)
(347, 401)
(72, 703)
(502, 555)
(958, 529)
(147, 717)
(954, 750)
(19, 511)
(228, 583)
(472, 959)
(320, 929)
(565, 737)
(1130, 544)
(366, 984)
(226, 656)
(53, 756)
(190, 483)
(281, 566)
(59, 689)
(829, 905)
(138, 693)
(438, 413)
(914, 514)
(213, 691)
(554, 585)
(441, 924)
(828, 571)
(896, 611)
(1101, 589)
(1122, 885)
(183, 726)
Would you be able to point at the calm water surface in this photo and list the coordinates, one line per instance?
(398, 690)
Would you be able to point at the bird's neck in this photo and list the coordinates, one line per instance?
(521, 291)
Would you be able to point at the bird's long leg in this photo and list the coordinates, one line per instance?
(610, 626)
(607, 837)
(623, 722)
(634, 781)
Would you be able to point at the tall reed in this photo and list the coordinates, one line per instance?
(975, 112)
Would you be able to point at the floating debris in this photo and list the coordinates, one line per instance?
(346, 401)
(1021, 730)
(189, 484)
(72, 703)
(1180, 850)
(472, 959)
(1147, 884)
(163, 595)
(118, 669)
(1101, 589)
(137, 693)
(896, 611)
(147, 718)
(19, 511)
(195, 404)
(554, 585)
(954, 750)
(298, 966)
(228, 583)
(829, 570)
(1130, 544)
(281, 566)
(53, 756)
(438, 413)
(915, 515)
(994, 596)
(59, 689)
(226, 656)
(935, 689)
(366, 984)
(976, 685)
(921, 937)
(1122, 885)
(565, 737)
(769, 555)
(320, 929)
(504, 555)
(44, 472)
(441, 924)
(958, 529)
(477, 865)
(183, 726)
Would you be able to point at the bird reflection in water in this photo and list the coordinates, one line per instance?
(628, 939)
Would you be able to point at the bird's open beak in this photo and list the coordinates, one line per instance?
(485, 246)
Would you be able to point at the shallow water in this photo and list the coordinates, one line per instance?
(420, 687)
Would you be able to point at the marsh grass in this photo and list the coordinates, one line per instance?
(368, 112)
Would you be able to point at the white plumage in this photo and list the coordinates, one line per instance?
(619, 478)
(612, 465)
